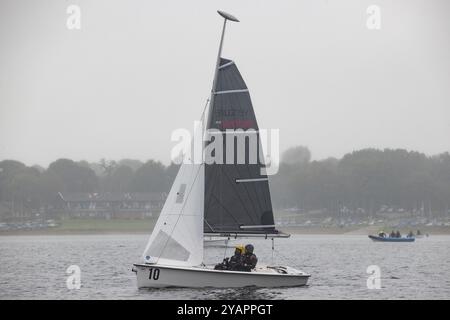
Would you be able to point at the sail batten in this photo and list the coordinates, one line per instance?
(226, 65)
(231, 91)
(252, 180)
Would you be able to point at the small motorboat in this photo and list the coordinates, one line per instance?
(392, 239)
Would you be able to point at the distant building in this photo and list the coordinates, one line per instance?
(111, 205)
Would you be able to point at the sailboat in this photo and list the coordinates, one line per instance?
(215, 200)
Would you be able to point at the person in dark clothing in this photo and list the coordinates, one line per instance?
(236, 261)
(249, 259)
(223, 265)
(392, 235)
(397, 234)
(233, 263)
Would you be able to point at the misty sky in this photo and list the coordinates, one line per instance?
(139, 69)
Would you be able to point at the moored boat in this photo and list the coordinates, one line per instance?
(392, 239)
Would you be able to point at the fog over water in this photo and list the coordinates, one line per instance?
(139, 69)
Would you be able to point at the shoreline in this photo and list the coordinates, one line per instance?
(431, 230)
(70, 232)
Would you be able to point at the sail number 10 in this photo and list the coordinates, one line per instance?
(154, 274)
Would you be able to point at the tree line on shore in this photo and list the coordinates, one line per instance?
(364, 181)
(367, 179)
(34, 187)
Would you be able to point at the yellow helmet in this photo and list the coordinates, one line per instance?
(241, 248)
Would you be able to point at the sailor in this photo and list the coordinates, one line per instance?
(392, 235)
(223, 265)
(249, 260)
(397, 234)
(236, 260)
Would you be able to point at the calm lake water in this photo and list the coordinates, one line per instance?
(34, 267)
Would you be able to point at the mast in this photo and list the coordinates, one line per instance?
(237, 197)
(226, 16)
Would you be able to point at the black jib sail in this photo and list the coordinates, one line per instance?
(237, 196)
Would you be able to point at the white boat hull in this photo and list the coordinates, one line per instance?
(160, 276)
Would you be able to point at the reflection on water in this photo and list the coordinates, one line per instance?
(251, 293)
(241, 294)
(34, 267)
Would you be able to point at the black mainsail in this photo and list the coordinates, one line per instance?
(237, 197)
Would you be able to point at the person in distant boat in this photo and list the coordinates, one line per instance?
(392, 235)
(397, 234)
(236, 261)
(382, 234)
(249, 259)
(410, 234)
